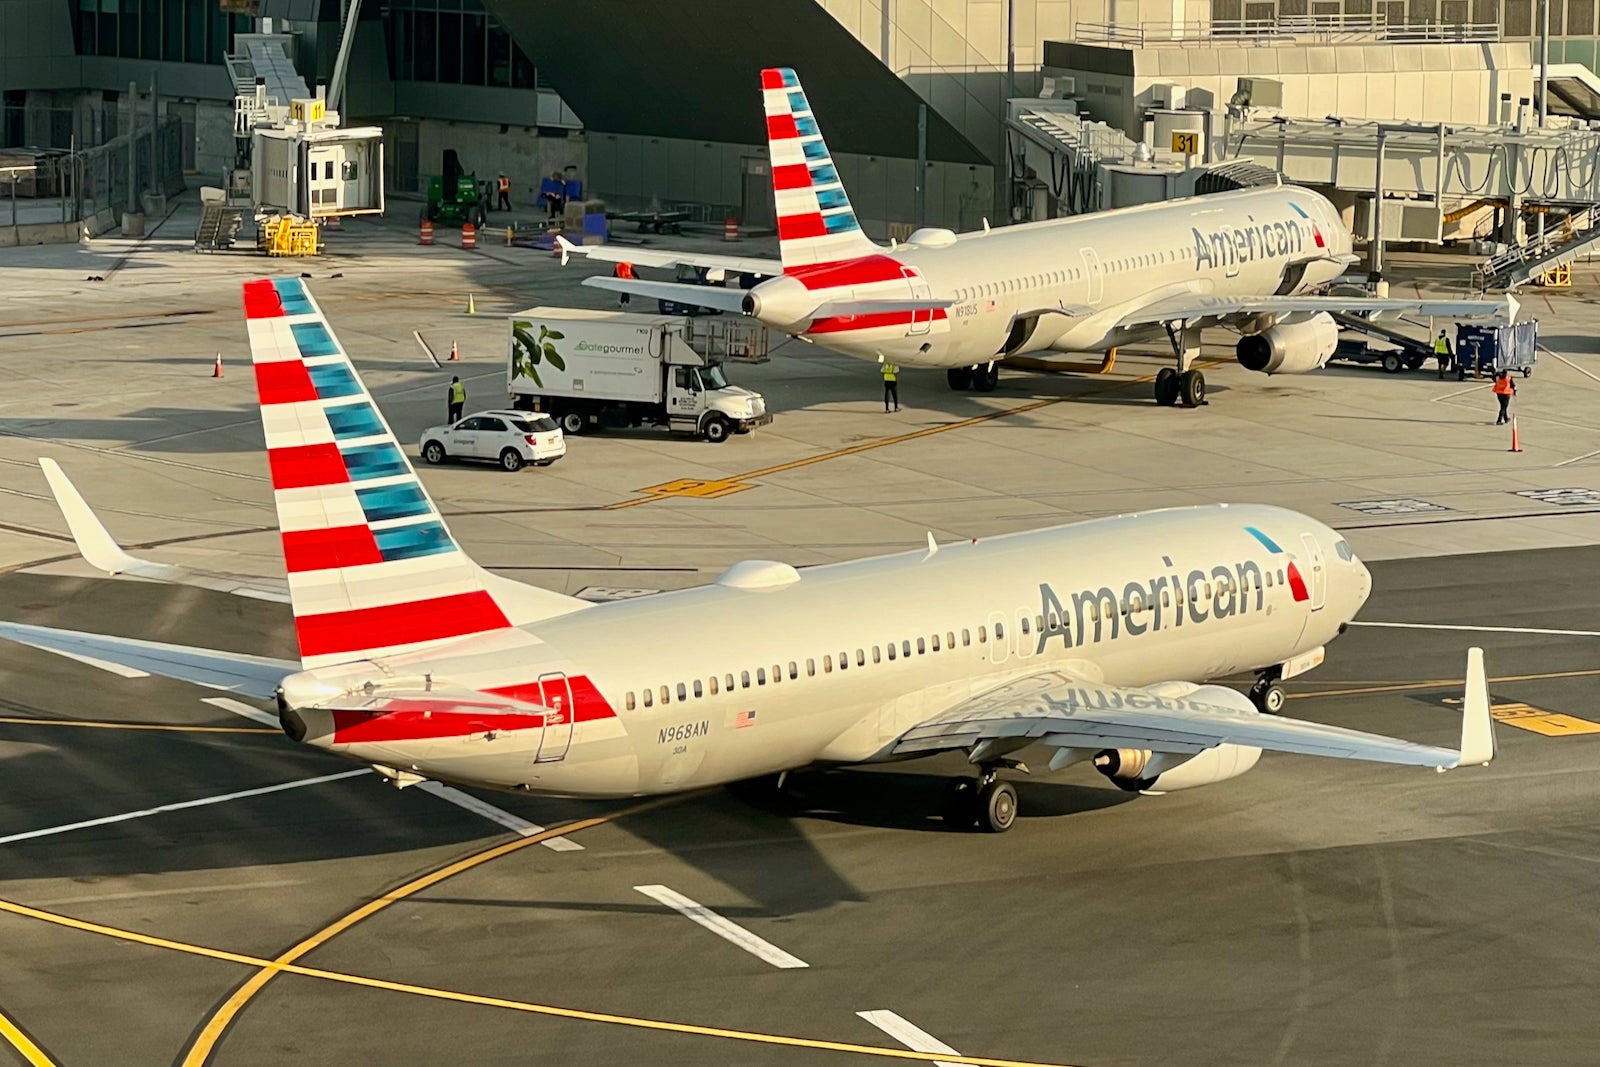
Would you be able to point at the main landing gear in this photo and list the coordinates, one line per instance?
(1267, 693)
(982, 378)
(985, 802)
(1183, 383)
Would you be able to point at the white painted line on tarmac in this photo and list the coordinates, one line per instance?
(280, 787)
(103, 664)
(515, 823)
(239, 707)
(723, 928)
(911, 1036)
(1579, 459)
(1480, 629)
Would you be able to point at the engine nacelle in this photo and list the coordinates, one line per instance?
(1142, 771)
(1290, 347)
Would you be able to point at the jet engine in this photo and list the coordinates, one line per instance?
(1290, 347)
(1139, 770)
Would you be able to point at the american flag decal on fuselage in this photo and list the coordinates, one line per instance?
(372, 568)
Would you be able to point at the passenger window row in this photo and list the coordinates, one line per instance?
(890, 651)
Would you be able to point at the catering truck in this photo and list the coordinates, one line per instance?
(590, 369)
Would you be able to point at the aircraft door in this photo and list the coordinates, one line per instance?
(999, 640)
(922, 319)
(323, 184)
(1319, 571)
(555, 693)
(1095, 274)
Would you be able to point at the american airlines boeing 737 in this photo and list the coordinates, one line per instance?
(1250, 261)
(1094, 641)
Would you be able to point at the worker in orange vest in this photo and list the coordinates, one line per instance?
(505, 193)
(623, 270)
(1504, 390)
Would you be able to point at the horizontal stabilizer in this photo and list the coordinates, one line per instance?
(642, 257)
(710, 296)
(256, 676)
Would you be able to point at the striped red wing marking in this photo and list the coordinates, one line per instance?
(799, 227)
(587, 702)
(339, 546)
(846, 323)
(361, 629)
(261, 300)
(863, 270)
(358, 727)
(284, 382)
(298, 466)
(781, 127)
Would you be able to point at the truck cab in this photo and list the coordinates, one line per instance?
(700, 400)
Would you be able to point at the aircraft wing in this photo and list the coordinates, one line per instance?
(1198, 308)
(1062, 712)
(233, 672)
(642, 257)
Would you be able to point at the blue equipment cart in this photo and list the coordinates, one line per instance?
(1486, 350)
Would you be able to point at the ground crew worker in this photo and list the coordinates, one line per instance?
(891, 385)
(1504, 390)
(1442, 353)
(458, 400)
(505, 193)
(623, 270)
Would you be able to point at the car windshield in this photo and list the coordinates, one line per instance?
(712, 378)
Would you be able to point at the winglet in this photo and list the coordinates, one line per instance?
(1477, 725)
(94, 543)
(1512, 307)
(933, 547)
(567, 248)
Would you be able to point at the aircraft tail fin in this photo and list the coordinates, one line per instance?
(372, 568)
(816, 223)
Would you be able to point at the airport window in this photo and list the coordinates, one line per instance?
(966, 638)
(698, 692)
(628, 700)
(811, 668)
(761, 676)
(453, 41)
(647, 700)
(194, 32)
(744, 679)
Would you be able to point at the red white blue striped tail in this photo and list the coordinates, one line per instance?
(372, 568)
(815, 221)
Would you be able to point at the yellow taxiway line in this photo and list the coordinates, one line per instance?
(24, 1045)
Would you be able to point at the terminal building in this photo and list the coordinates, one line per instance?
(655, 103)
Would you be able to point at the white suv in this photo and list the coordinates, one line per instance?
(509, 438)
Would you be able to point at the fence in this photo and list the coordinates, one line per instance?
(46, 193)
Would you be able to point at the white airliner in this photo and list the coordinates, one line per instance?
(1091, 640)
(1247, 260)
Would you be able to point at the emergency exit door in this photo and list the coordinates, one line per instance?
(555, 693)
(1095, 274)
(921, 318)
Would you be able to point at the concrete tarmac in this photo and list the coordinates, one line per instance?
(1310, 912)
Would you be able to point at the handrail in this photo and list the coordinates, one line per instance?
(1541, 245)
(1327, 28)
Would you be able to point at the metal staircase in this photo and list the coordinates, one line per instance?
(219, 226)
(1578, 233)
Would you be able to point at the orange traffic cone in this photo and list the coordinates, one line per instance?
(216, 371)
(455, 353)
(1516, 438)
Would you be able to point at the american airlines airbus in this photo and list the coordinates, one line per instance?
(1092, 640)
(1247, 260)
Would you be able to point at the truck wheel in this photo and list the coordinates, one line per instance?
(510, 460)
(1392, 362)
(1526, 371)
(716, 429)
(433, 452)
(574, 422)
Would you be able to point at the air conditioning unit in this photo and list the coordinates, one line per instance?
(1167, 96)
(1057, 87)
(1262, 92)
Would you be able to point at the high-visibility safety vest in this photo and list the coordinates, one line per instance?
(624, 270)
(1503, 386)
(890, 372)
(505, 184)
(1441, 346)
(458, 393)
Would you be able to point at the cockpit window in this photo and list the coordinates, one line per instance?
(1343, 548)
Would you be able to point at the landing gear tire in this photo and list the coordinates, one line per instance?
(574, 422)
(960, 803)
(986, 377)
(1166, 387)
(1268, 697)
(510, 460)
(959, 378)
(997, 807)
(1192, 388)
